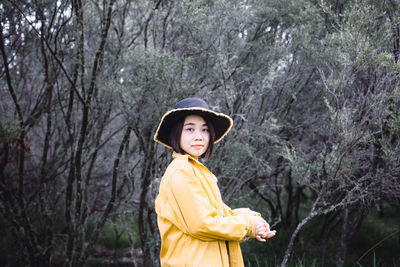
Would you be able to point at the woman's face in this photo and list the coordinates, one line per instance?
(195, 136)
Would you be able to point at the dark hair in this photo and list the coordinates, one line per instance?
(175, 137)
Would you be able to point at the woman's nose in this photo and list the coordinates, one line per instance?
(198, 135)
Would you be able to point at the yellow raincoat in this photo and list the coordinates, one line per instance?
(196, 227)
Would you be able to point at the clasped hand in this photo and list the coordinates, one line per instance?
(262, 230)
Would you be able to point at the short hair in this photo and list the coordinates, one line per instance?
(175, 137)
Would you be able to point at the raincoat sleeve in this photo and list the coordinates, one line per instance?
(199, 218)
(242, 211)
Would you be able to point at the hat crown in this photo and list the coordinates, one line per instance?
(191, 102)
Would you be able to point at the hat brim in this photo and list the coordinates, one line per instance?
(222, 123)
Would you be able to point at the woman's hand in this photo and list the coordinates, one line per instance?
(262, 230)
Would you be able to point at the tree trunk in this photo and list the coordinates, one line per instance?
(294, 236)
(342, 250)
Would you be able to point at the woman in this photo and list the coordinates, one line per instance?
(196, 227)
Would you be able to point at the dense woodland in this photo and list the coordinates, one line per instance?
(312, 87)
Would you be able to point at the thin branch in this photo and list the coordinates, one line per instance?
(53, 53)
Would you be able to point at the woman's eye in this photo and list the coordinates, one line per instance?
(205, 130)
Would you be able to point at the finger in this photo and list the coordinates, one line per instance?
(268, 234)
(271, 234)
(260, 239)
(264, 234)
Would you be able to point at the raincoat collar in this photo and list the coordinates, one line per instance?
(184, 157)
(197, 163)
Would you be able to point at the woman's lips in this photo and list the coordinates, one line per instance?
(197, 146)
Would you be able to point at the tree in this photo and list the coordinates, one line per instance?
(312, 87)
(54, 90)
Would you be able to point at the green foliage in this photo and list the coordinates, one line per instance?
(113, 236)
(118, 233)
(9, 130)
(312, 87)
